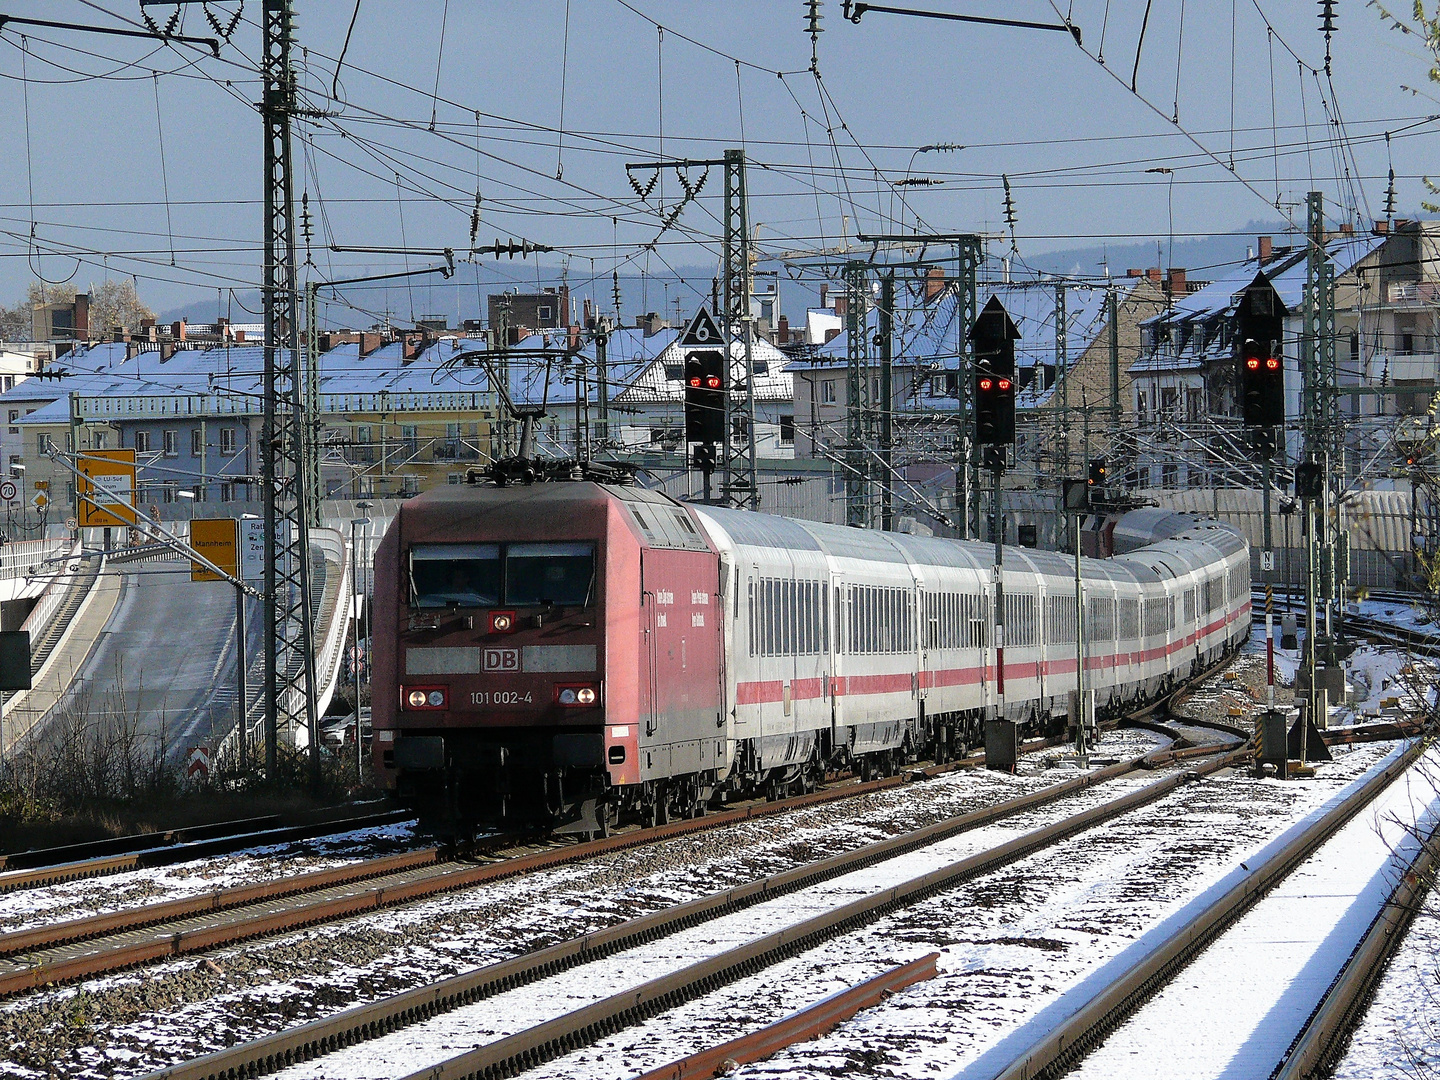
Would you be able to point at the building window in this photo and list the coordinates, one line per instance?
(17, 463)
(675, 372)
(787, 430)
(197, 443)
(43, 443)
(410, 436)
(227, 440)
(1170, 475)
(364, 449)
(142, 443)
(14, 416)
(1142, 409)
(827, 392)
(227, 492)
(410, 485)
(171, 442)
(544, 313)
(454, 478)
(99, 440)
(200, 490)
(1194, 405)
(167, 493)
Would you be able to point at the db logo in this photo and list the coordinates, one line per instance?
(500, 660)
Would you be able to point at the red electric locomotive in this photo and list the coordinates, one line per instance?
(515, 625)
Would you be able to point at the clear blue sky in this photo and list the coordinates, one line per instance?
(1074, 141)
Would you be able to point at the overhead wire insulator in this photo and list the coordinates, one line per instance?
(1327, 27)
(475, 221)
(813, 18)
(1389, 191)
(1010, 216)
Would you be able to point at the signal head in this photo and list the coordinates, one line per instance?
(713, 382)
(1004, 384)
(1272, 364)
(986, 384)
(1253, 363)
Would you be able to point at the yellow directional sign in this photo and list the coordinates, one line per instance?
(215, 539)
(105, 490)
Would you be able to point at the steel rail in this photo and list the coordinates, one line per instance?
(114, 922)
(1064, 1046)
(809, 1023)
(363, 1022)
(1322, 1040)
(183, 845)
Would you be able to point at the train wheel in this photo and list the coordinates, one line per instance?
(866, 771)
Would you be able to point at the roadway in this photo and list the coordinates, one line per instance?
(165, 660)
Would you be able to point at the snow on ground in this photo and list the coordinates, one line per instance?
(25, 908)
(137, 1021)
(1233, 1012)
(1010, 942)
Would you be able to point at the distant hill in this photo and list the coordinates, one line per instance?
(1200, 256)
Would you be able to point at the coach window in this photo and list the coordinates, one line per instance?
(454, 575)
(562, 574)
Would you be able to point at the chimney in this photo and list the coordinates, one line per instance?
(1381, 228)
(177, 330)
(411, 347)
(589, 319)
(824, 295)
(1267, 248)
(239, 336)
(369, 342)
(572, 336)
(934, 283)
(831, 335)
(1347, 229)
(1176, 283)
(1134, 272)
(842, 306)
(1154, 274)
(782, 331)
(82, 315)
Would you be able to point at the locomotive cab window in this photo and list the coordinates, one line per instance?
(562, 574)
(454, 575)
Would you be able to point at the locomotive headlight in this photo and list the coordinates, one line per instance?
(577, 695)
(501, 623)
(424, 697)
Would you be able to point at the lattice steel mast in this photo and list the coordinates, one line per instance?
(289, 691)
(738, 481)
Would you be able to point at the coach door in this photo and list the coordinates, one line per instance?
(649, 651)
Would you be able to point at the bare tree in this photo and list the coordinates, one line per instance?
(116, 303)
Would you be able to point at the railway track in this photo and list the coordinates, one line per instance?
(96, 944)
(1084, 1019)
(51, 866)
(534, 1045)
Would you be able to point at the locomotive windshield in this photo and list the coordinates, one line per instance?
(489, 575)
(455, 575)
(560, 574)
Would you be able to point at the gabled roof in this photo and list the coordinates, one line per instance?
(1286, 271)
(662, 380)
